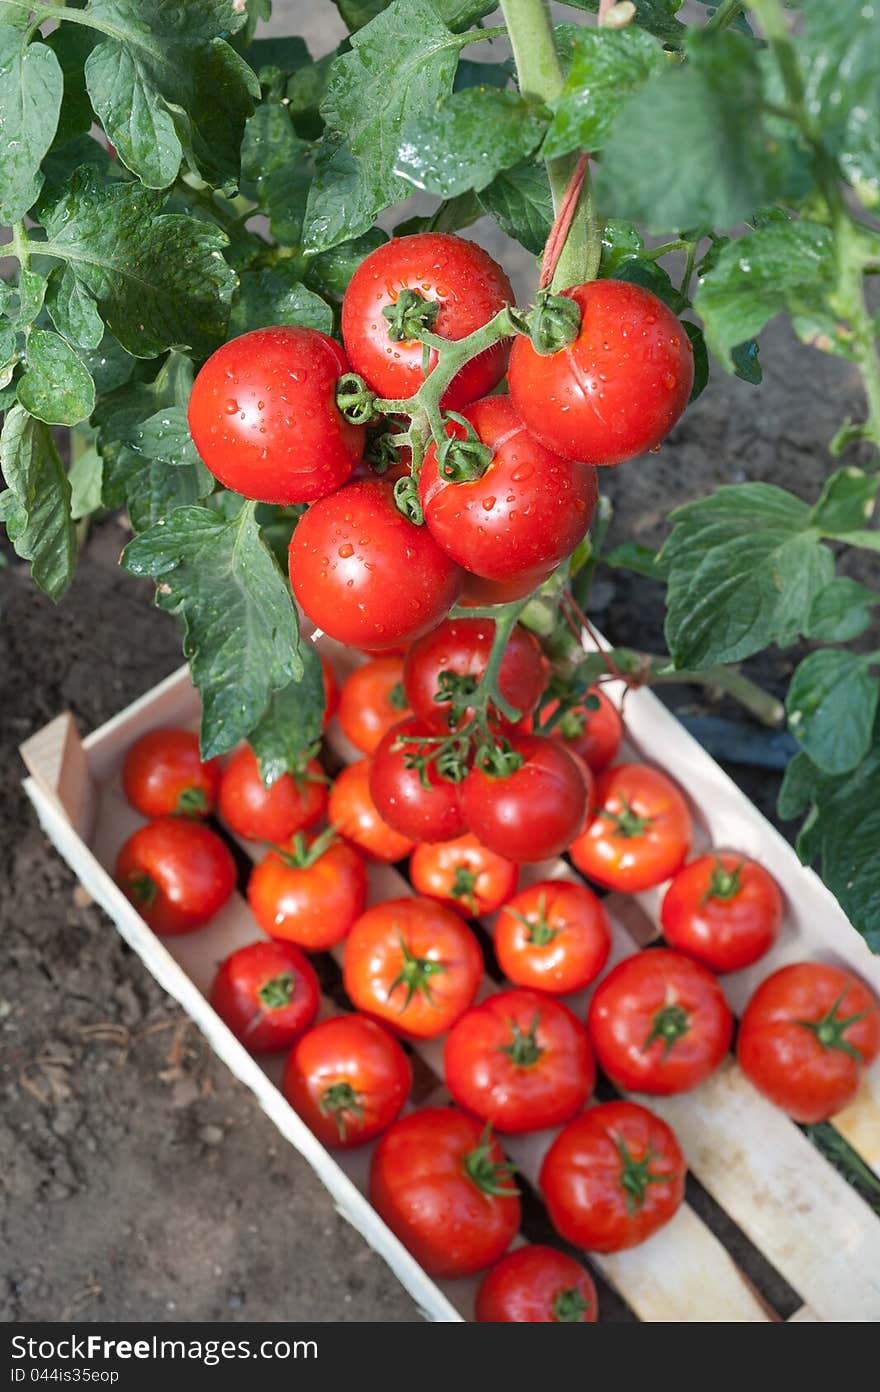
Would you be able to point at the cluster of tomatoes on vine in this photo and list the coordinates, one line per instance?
(523, 1059)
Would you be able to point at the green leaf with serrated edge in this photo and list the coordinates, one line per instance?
(275, 169)
(620, 240)
(36, 503)
(607, 66)
(449, 216)
(839, 51)
(783, 268)
(831, 706)
(716, 160)
(305, 92)
(277, 296)
(31, 87)
(85, 475)
(167, 88)
(632, 555)
(657, 16)
(458, 14)
(72, 309)
(467, 139)
(57, 386)
(72, 44)
(110, 365)
(846, 502)
(868, 541)
(331, 270)
(164, 436)
(291, 726)
(399, 67)
(743, 568)
(63, 161)
(639, 270)
(520, 201)
(841, 611)
(31, 294)
(240, 624)
(159, 279)
(796, 790)
(282, 53)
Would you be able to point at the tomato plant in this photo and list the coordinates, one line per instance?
(267, 994)
(591, 728)
(553, 936)
(348, 1078)
(725, 910)
(536, 1285)
(447, 665)
(372, 699)
(310, 892)
(163, 774)
(413, 797)
(531, 802)
(177, 873)
(640, 833)
(464, 875)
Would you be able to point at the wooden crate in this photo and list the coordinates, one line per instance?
(757, 1166)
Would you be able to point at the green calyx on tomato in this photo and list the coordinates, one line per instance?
(463, 461)
(569, 1306)
(670, 1024)
(724, 884)
(492, 1177)
(830, 1030)
(338, 1101)
(523, 1049)
(191, 803)
(142, 890)
(449, 756)
(277, 992)
(354, 399)
(415, 974)
(627, 823)
(410, 316)
(554, 323)
(301, 854)
(407, 501)
(636, 1175)
(498, 760)
(381, 452)
(397, 697)
(539, 930)
(464, 887)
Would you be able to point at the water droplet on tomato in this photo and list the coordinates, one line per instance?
(346, 550)
(488, 504)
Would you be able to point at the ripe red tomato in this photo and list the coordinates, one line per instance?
(553, 936)
(537, 1285)
(367, 575)
(267, 993)
(413, 964)
(348, 1078)
(264, 418)
(520, 1060)
(594, 734)
(419, 803)
(805, 1037)
(455, 287)
(445, 1189)
(476, 592)
(523, 515)
(612, 1177)
(273, 814)
(372, 699)
(163, 774)
(464, 875)
(331, 691)
(309, 894)
(618, 389)
(534, 812)
(177, 873)
(445, 667)
(353, 813)
(659, 1023)
(722, 909)
(640, 833)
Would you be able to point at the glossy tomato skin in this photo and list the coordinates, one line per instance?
(354, 814)
(463, 875)
(272, 814)
(412, 964)
(537, 1285)
(331, 691)
(420, 1185)
(722, 909)
(553, 936)
(595, 735)
(462, 647)
(348, 1079)
(431, 813)
(312, 903)
(810, 1073)
(470, 289)
(534, 812)
(618, 389)
(620, 853)
(367, 575)
(372, 699)
(267, 994)
(520, 1060)
(476, 592)
(526, 513)
(583, 1169)
(164, 775)
(659, 1023)
(177, 873)
(264, 418)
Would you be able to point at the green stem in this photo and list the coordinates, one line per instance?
(726, 13)
(20, 246)
(760, 703)
(540, 75)
(84, 17)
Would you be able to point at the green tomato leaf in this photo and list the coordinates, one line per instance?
(277, 296)
(166, 87)
(72, 309)
(841, 611)
(31, 293)
(607, 66)
(783, 268)
(36, 503)
(701, 359)
(275, 169)
(450, 216)
(743, 568)
(159, 279)
(846, 502)
(110, 365)
(332, 270)
(831, 706)
(291, 727)
(281, 54)
(839, 50)
(85, 475)
(240, 625)
(458, 14)
(56, 386)
(520, 201)
(72, 44)
(632, 555)
(467, 139)
(620, 240)
(31, 88)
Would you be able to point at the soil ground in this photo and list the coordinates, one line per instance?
(138, 1180)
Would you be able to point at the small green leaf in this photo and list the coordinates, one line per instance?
(36, 503)
(110, 365)
(32, 289)
(332, 270)
(72, 309)
(639, 270)
(240, 624)
(72, 44)
(840, 611)
(277, 296)
(291, 727)
(464, 141)
(31, 87)
(57, 386)
(846, 503)
(797, 787)
(746, 364)
(632, 555)
(85, 475)
(840, 56)
(275, 170)
(620, 241)
(607, 66)
(831, 706)
(520, 201)
(701, 359)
